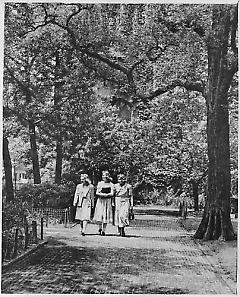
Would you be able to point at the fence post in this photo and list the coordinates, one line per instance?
(184, 210)
(180, 209)
(34, 231)
(26, 232)
(47, 220)
(65, 217)
(41, 228)
(15, 247)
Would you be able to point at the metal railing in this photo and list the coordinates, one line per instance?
(17, 239)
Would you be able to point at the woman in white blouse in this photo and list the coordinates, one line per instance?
(123, 203)
(84, 201)
(103, 210)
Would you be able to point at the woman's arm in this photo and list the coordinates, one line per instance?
(130, 195)
(75, 200)
(99, 189)
(92, 195)
(108, 195)
(112, 190)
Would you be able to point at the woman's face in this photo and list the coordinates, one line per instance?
(121, 180)
(83, 179)
(105, 177)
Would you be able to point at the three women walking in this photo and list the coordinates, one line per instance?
(108, 195)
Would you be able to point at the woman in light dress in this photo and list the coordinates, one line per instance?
(103, 210)
(123, 203)
(84, 201)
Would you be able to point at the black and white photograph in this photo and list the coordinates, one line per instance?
(119, 147)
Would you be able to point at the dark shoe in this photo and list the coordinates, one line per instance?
(83, 234)
(123, 233)
(100, 231)
(119, 231)
(103, 233)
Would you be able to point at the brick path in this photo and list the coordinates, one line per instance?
(157, 256)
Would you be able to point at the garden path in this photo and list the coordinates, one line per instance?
(157, 256)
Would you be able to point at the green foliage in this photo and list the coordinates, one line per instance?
(159, 143)
(47, 195)
(13, 213)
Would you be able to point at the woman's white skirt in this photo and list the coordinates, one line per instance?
(83, 213)
(122, 212)
(103, 210)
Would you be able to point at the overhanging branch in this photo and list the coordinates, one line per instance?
(24, 88)
(128, 71)
(89, 66)
(190, 86)
(79, 8)
(85, 50)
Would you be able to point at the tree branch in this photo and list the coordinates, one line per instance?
(85, 49)
(89, 51)
(88, 65)
(105, 60)
(7, 111)
(24, 88)
(79, 8)
(190, 86)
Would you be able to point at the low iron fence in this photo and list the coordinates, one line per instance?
(30, 229)
(53, 216)
(17, 239)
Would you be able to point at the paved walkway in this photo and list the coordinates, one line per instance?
(156, 257)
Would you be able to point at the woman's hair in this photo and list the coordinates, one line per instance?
(84, 175)
(121, 175)
(107, 174)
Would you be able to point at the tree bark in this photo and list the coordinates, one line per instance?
(195, 194)
(59, 142)
(8, 171)
(34, 152)
(216, 220)
(59, 156)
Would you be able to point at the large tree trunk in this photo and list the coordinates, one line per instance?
(59, 142)
(195, 194)
(8, 171)
(34, 152)
(216, 220)
(59, 155)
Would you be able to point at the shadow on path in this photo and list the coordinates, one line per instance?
(157, 256)
(58, 268)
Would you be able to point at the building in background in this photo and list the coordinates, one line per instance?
(20, 176)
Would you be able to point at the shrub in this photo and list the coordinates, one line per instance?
(13, 214)
(47, 195)
(155, 197)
